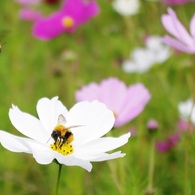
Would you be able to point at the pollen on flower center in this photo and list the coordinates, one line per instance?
(67, 21)
(63, 148)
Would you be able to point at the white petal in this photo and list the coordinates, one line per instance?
(48, 111)
(106, 156)
(102, 145)
(42, 153)
(96, 120)
(102, 156)
(187, 110)
(73, 161)
(28, 125)
(14, 143)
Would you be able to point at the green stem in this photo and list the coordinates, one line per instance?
(186, 155)
(186, 159)
(187, 137)
(115, 177)
(150, 189)
(58, 179)
(129, 27)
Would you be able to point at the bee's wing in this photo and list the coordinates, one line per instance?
(61, 120)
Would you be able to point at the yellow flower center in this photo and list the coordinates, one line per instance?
(63, 148)
(67, 21)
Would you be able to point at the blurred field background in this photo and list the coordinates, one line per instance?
(31, 69)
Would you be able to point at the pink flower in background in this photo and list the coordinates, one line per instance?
(152, 125)
(125, 102)
(72, 14)
(28, 2)
(30, 14)
(26, 12)
(184, 125)
(183, 40)
(176, 2)
(169, 143)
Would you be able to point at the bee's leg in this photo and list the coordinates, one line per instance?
(62, 141)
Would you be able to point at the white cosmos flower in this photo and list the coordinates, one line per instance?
(140, 62)
(187, 110)
(142, 59)
(126, 7)
(92, 121)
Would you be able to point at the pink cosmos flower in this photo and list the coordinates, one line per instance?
(125, 102)
(28, 2)
(183, 40)
(72, 14)
(176, 2)
(184, 125)
(152, 125)
(170, 142)
(30, 14)
(26, 13)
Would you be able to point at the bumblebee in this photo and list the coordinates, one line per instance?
(61, 133)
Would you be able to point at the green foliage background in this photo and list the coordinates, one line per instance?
(31, 69)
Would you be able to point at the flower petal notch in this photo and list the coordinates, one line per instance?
(125, 102)
(73, 138)
(72, 14)
(183, 40)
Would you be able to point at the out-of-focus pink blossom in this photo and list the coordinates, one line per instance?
(183, 40)
(152, 125)
(28, 2)
(125, 102)
(183, 125)
(133, 131)
(169, 143)
(30, 14)
(72, 14)
(176, 2)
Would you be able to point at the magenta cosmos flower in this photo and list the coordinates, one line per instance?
(72, 14)
(169, 143)
(125, 102)
(176, 2)
(183, 40)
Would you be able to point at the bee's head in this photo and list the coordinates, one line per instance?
(55, 135)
